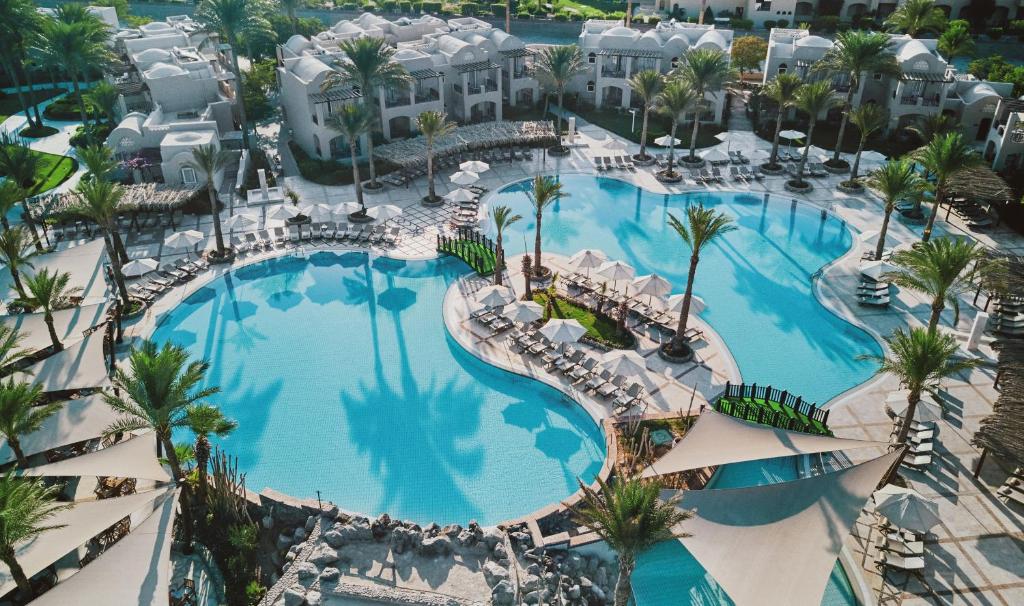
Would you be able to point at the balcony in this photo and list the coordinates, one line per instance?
(611, 72)
(397, 101)
(478, 89)
(427, 96)
(519, 74)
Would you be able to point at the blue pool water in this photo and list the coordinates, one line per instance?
(756, 280)
(343, 379)
(668, 575)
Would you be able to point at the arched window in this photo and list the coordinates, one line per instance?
(592, 58)
(782, 68)
(675, 62)
(590, 86)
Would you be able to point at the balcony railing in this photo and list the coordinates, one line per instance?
(909, 100)
(427, 96)
(487, 87)
(611, 72)
(397, 101)
(522, 73)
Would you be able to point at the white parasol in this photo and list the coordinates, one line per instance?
(465, 177)
(474, 166)
(138, 267)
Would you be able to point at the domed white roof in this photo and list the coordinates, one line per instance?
(978, 92)
(814, 42)
(650, 39)
(711, 38)
(679, 41)
(297, 44)
(912, 49)
(153, 55)
(621, 31)
(346, 27)
(407, 54)
(155, 26)
(164, 70)
(308, 68)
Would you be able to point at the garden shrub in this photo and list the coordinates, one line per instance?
(653, 20)
(66, 108)
(615, 15)
(783, 23)
(498, 10)
(826, 23)
(91, 134)
(390, 6)
(744, 24)
(561, 17)
(431, 7)
(524, 15)
(469, 9)
(770, 24)
(405, 7)
(349, 6)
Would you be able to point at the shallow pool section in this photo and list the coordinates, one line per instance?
(756, 280)
(669, 575)
(344, 380)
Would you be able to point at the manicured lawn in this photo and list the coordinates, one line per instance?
(619, 122)
(53, 170)
(599, 327)
(9, 104)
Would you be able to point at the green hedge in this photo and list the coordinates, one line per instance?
(390, 6)
(67, 109)
(431, 7)
(498, 10)
(470, 9)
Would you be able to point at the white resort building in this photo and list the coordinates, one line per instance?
(613, 53)
(463, 66)
(926, 83)
(177, 91)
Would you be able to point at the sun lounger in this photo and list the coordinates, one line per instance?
(626, 397)
(899, 546)
(141, 294)
(265, 239)
(893, 560)
(583, 370)
(252, 241)
(569, 362)
(173, 273)
(612, 386)
(293, 233)
(239, 244)
(735, 174)
(596, 381)
(919, 462)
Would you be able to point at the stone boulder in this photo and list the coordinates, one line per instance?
(313, 598)
(294, 595)
(404, 539)
(435, 546)
(492, 537)
(324, 555)
(310, 524)
(299, 535)
(503, 594)
(381, 526)
(306, 571)
(330, 575)
(284, 541)
(495, 573)
(532, 583)
(356, 531)
(333, 538)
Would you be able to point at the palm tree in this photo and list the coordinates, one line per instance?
(854, 53)
(10, 347)
(432, 125)
(928, 127)
(22, 411)
(545, 191)
(894, 181)
(956, 41)
(554, 68)
(813, 99)
(75, 43)
(503, 218)
(707, 71)
(104, 97)
(203, 420)
(19, 23)
(16, 252)
(674, 102)
(98, 201)
(631, 518)
(353, 121)
(916, 16)
(98, 159)
(920, 359)
(48, 291)
(10, 194)
(942, 270)
(289, 7)
(646, 85)
(869, 119)
(703, 225)
(25, 507)
(210, 160)
(783, 91)
(235, 19)
(942, 157)
(369, 65)
(23, 166)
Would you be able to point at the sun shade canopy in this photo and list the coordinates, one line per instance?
(80, 366)
(77, 421)
(69, 324)
(79, 524)
(83, 262)
(133, 458)
(718, 439)
(135, 571)
(776, 545)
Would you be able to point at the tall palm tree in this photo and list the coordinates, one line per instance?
(674, 102)
(703, 226)
(869, 119)
(707, 71)
(369, 65)
(920, 359)
(204, 420)
(98, 159)
(19, 23)
(75, 43)
(289, 7)
(943, 156)
(956, 41)
(942, 269)
(895, 180)
(98, 200)
(855, 53)
(16, 252)
(554, 68)
(646, 85)
(432, 125)
(156, 391)
(49, 291)
(22, 411)
(26, 506)
(235, 20)
(353, 121)
(783, 91)
(631, 518)
(210, 160)
(545, 191)
(928, 127)
(23, 166)
(503, 218)
(10, 194)
(916, 16)
(813, 99)
(104, 97)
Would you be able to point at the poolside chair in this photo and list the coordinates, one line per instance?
(611, 387)
(893, 560)
(735, 174)
(172, 273)
(391, 239)
(570, 362)
(716, 174)
(706, 176)
(625, 398)
(252, 241)
(265, 239)
(239, 244)
(141, 294)
(918, 462)
(583, 370)
(341, 233)
(597, 380)
(293, 234)
(746, 173)
(279, 236)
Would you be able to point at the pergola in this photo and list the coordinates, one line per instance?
(139, 198)
(980, 183)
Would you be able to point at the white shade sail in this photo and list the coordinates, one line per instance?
(716, 155)
(718, 439)
(926, 411)
(135, 571)
(675, 304)
(241, 221)
(283, 211)
(616, 270)
(465, 177)
(876, 269)
(184, 239)
(76, 421)
(318, 211)
(132, 458)
(792, 134)
(776, 545)
(84, 262)
(80, 366)
(384, 212)
(666, 141)
(80, 523)
(69, 324)
(613, 144)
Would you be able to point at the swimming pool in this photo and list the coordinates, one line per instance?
(669, 571)
(756, 280)
(343, 379)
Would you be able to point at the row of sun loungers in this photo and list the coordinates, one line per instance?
(971, 213)
(811, 169)
(742, 173)
(365, 235)
(166, 277)
(1013, 488)
(467, 214)
(447, 161)
(873, 293)
(606, 163)
(920, 445)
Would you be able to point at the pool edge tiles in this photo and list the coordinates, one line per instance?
(407, 387)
